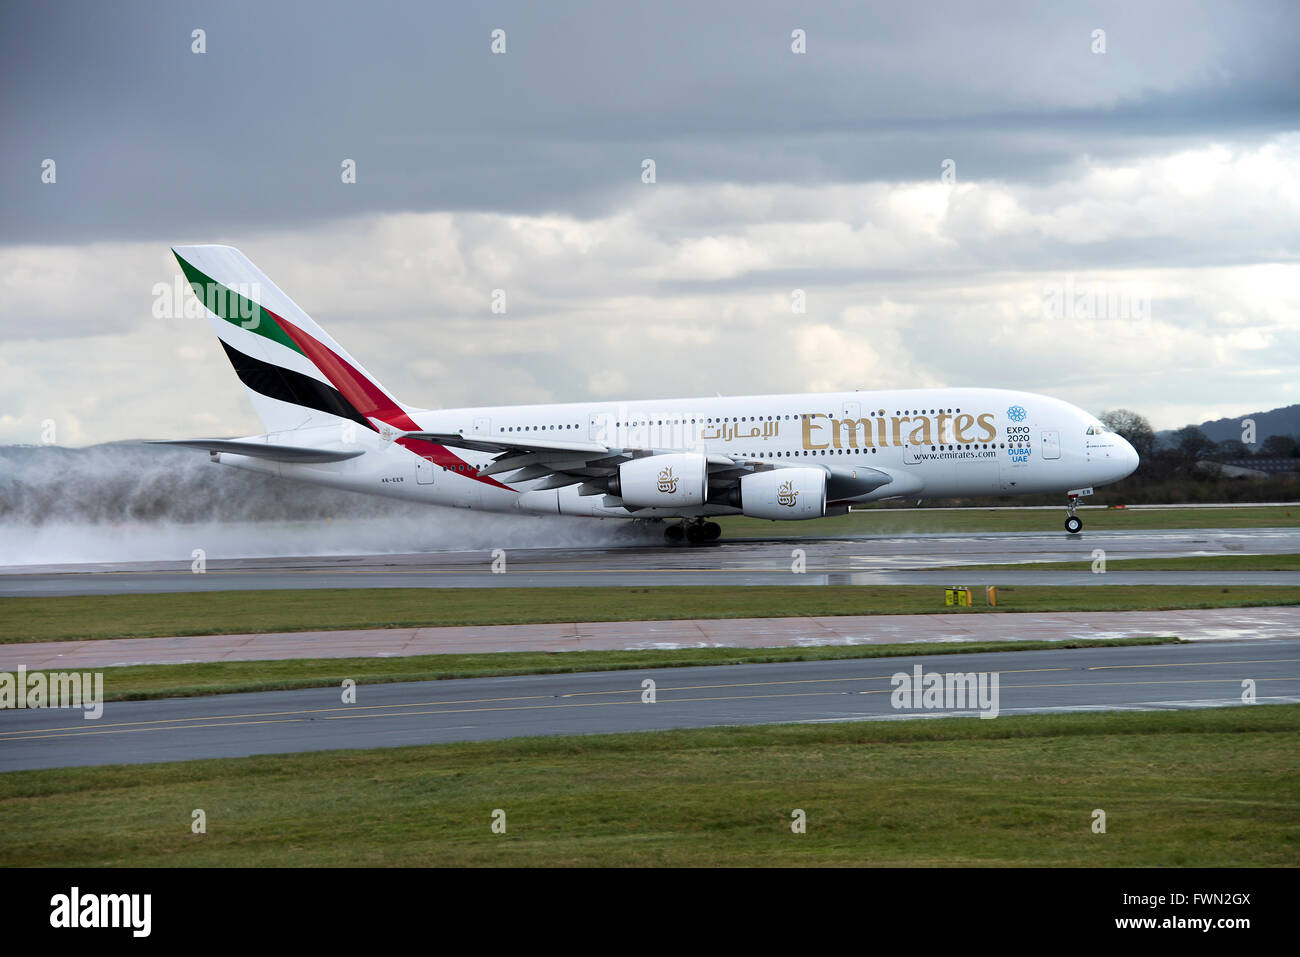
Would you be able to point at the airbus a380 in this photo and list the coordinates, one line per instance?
(683, 461)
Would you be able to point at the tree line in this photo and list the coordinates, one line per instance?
(1180, 469)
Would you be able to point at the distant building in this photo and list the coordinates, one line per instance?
(1261, 467)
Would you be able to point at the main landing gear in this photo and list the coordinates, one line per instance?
(697, 532)
(1073, 524)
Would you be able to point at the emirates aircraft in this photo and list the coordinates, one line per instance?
(681, 462)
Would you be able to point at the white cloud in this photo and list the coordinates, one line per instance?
(687, 289)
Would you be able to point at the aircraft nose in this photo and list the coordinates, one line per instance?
(1128, 457)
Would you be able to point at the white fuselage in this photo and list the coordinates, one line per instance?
(933, 443)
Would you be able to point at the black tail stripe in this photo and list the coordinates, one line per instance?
(289, 386)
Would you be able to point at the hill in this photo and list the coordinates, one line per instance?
(1283, 421)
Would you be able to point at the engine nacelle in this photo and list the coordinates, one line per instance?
(784, 494)
(663, 481)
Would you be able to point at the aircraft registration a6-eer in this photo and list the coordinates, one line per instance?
(681, 461)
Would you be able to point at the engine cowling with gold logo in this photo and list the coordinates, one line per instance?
(673, 480)
(784, 494)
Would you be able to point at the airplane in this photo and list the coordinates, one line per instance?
(680, 462)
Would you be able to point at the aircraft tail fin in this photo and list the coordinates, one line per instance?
(296, 375)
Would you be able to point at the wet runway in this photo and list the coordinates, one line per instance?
(1166, 677)
(867, 560)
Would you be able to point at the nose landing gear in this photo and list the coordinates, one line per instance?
(1073, 524)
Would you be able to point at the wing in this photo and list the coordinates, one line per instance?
(572, 462)
(558, 463)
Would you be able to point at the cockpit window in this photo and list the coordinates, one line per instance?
(1096, 430)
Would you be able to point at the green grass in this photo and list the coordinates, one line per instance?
(140, 682)
(1212, 788)
(1216, 563)
(895, 521)
(239, 612)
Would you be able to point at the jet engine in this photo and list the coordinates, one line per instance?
(782, 494)
(674, 480)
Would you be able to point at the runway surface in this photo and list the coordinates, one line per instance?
(1144, 678)
(1205, 624)
(868, 560)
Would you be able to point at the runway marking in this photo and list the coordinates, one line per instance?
(592, 704)
(265, 714)
(81, 732)
(1104, 684)
(418, 704)
(792, 681)
(1193, 664)
(218, 724)
(635, 690)
(793, 694)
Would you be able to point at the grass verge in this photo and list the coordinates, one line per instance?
(141, 682)
(1210, 788)
(893, 520)
(260, 612)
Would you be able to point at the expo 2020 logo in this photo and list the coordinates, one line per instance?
(1016, 414)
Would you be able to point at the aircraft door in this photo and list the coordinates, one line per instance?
(424, 471)
(1051, 445)
(600, 427)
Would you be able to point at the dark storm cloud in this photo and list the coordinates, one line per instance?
(151, 139)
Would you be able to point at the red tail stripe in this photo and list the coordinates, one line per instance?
(372, 402)
(366, 397)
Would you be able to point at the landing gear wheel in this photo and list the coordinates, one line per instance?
(712, 531)
(674, 534)
(1074, 524)
(695, 534)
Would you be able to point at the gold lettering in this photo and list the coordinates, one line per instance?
(881, 439)
(963, 423)
(807, 431)
(850, 428)
(866, 432)
(898, 424)
(943, 421)
(923, 429)
(986, 423)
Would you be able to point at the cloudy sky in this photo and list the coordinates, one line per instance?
(951, 186)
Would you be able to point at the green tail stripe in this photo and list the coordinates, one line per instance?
(234, 308)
